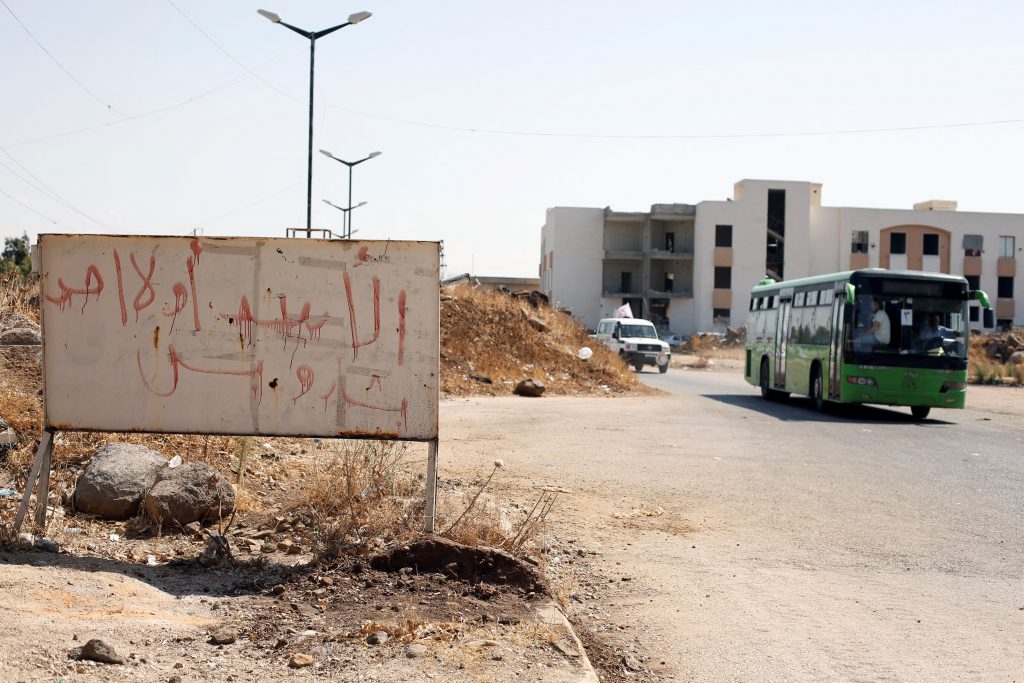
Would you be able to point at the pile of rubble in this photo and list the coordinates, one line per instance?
(495, 342)
(999, 347)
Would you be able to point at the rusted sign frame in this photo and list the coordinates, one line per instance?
(40, 474)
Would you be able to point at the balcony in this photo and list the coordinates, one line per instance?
(625, 254)
(612, 294)
(677, 255)
(674, 294)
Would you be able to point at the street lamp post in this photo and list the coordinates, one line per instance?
(347, 210)
(312, 35)
(350, 164)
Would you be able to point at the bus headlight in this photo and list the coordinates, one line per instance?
(862, 381)
(953, 386)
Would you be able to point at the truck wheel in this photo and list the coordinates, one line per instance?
(663, 368)
(638, 365)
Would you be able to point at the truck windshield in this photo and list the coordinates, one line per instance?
(633, 331)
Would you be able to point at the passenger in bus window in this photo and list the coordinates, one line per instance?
(878, 333)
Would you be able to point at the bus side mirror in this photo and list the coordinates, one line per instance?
(981, 297)
(988, 318)
(851, 292)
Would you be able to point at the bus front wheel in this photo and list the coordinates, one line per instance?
(920, 412)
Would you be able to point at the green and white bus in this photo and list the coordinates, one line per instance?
(864, 336)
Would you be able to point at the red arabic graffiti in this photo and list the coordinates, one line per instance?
(66, 293)
(356, 342)
(147, 285)
(402, 409)
(305, 375)
(255, 375)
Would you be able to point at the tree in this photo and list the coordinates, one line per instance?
(16, 257)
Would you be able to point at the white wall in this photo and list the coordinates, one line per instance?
(576, 236)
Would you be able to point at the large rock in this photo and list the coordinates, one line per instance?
(113, 484)
(9, 439)
(192, 492)
(529, 387)
(20, 336)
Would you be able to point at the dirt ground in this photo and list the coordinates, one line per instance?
(151, 599)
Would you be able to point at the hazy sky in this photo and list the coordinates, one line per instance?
(161, 116)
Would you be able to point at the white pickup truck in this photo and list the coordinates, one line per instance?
(636, 341)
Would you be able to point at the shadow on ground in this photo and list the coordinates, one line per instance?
(797, 409)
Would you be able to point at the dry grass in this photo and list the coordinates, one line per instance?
(18, 294)
(361, 491)
(485, 333)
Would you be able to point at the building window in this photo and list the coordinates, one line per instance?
(723, 235)
(1004, 290)
(721, 315)
(1006, 247)
(723, 278)
(931, 245)
(1004, 324)
(775, 246)
(859, 243)
(973, 281)
(897, 243)
(972, 313)
(972, 245)
(626, 282)
(670, 242)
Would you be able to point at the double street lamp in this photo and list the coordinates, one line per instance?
(350, 164)
(312, 35)
(346, 232)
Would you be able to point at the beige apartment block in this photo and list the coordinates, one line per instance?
(690, 267)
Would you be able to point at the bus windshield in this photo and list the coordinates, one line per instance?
(905, 325)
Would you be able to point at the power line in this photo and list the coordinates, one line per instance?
(18, 201)
(229, 55)
(56, 61)
(680, 136)
(45, 189)
(153, 112)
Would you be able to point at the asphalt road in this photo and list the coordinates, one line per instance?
(882, 524)
(790, 545)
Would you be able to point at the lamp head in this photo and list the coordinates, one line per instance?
(358, 16)
(359, 204)
(326, 153)
(269, 15)
(374, 155)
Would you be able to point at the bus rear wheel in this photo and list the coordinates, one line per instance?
(817, 389)
(920, 412)
(766, 392)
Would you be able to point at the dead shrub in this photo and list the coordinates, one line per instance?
(487, 524)
(19, 294)
(358, 494)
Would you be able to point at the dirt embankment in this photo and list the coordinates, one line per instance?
(490, 341)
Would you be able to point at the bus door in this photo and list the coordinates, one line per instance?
(835, 347)
(782, 339)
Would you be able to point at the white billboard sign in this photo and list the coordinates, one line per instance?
(286, 337)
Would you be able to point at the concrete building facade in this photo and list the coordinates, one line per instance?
(690, 267)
